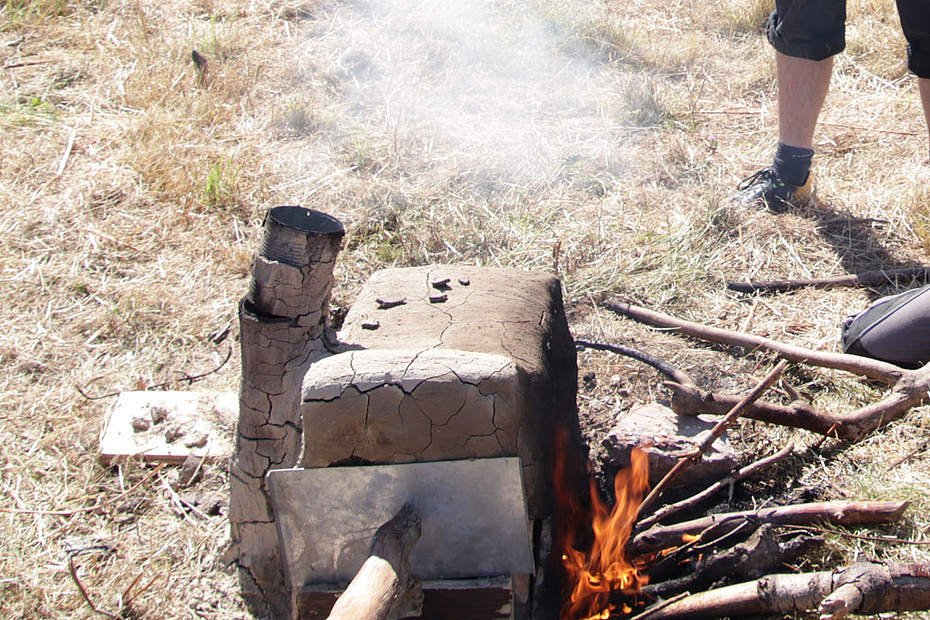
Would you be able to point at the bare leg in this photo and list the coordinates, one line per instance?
(802, 89)
(924, 85)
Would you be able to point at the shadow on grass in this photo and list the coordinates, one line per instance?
(861, 244)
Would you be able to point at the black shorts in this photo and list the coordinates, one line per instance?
(816, 29)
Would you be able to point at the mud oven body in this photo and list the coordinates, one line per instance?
(446, 386)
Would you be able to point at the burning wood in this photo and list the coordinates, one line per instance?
(610, 576)
(725, 547)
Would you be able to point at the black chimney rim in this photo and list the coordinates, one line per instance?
(306, 220)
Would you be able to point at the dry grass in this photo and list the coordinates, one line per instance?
(133, 186)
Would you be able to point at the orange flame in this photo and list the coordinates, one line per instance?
(594, 573)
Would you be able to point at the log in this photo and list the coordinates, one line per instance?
(660, 537)
(861, 588)
(283, 321)
(383, 587)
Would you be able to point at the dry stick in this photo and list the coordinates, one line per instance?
(670, 509)
(718, 430)
(909, 455)
(667, 369)
(866, 588)
(873, 369)
(884, 539)
(127, 600)
(909, 388)
(838, 513)
(655, 608)
(83, 592)
(867, 278)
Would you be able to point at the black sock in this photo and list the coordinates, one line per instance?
(792, 163)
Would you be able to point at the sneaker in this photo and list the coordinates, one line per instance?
(766, 189)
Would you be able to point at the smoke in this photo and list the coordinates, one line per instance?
(490, 84)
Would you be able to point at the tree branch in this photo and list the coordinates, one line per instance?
(874, 369)
(909, 387)
(867, 278)
(660, 537)
(862, 588)
(718, 430)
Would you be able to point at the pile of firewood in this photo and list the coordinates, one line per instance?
(686, 561)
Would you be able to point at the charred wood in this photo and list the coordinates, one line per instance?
(666, 368)
(669, 509)
(754, 557)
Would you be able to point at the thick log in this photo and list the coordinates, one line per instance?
(282, 321)
(660, 537)
(384, 583)
(862, 588)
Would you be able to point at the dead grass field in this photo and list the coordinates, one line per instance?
(599, 139)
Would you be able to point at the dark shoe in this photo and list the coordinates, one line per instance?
(765, 189)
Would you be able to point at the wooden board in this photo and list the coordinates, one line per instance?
(462, 599)
(170, 426)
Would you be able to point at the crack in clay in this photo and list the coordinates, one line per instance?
(465, 381)
(334, 398)
(449, 420)
(448, 315)
(512, 355)
(367, 406)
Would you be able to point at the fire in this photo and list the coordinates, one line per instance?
(597, 569)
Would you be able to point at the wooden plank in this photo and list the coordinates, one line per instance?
(458, 599)
(170, 426)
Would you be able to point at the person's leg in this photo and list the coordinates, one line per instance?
(924, 85)
(915, 23)
(802, 89)
(806, 35)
